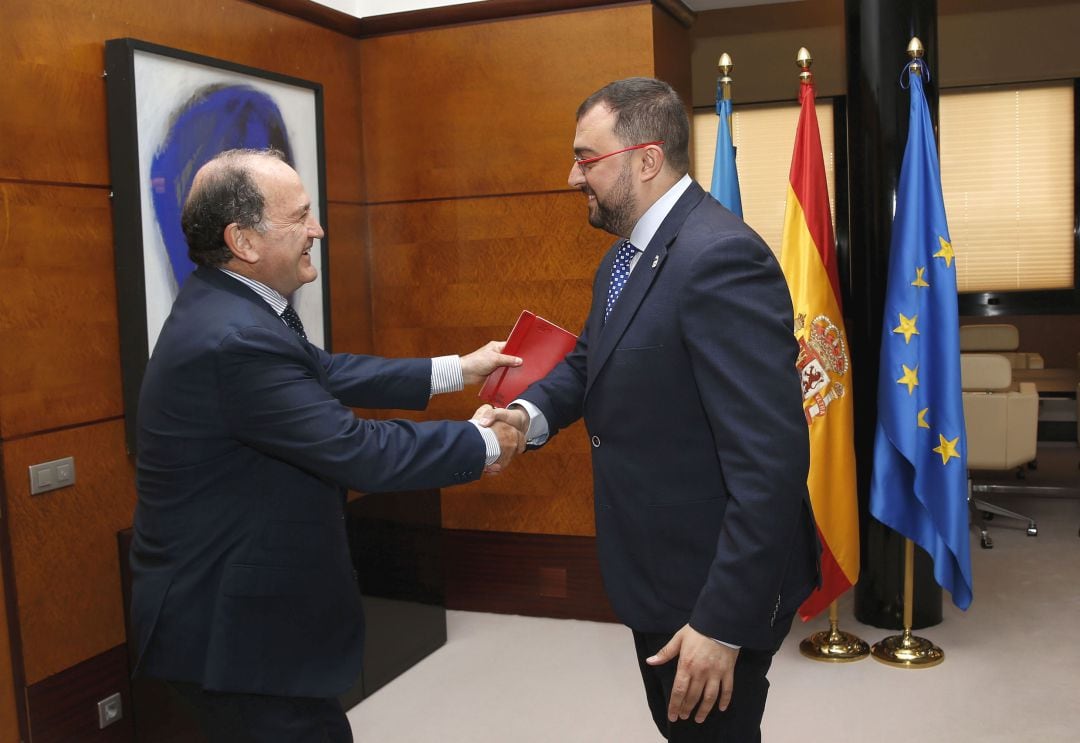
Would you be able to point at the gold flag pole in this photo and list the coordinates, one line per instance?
(832, 645)
(907, 650)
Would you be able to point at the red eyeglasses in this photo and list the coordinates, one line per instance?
(581, 162)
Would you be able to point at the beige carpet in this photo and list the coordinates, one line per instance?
(1011, 670)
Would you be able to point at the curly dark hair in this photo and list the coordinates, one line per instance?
(225, 193)
(646, 110)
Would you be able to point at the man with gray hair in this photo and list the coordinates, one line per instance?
(243, 591)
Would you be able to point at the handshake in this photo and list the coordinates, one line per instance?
(509, 426)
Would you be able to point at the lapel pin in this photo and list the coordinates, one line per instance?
(655, 260)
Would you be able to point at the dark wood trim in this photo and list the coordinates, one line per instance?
(63, 707)
(677, 10)
(539, 575)
(418, 20)
(320, 15)
(11, 607)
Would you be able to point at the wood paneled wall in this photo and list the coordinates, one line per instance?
(468, 135)
(59, 347)
(9, 715)
(448, 214)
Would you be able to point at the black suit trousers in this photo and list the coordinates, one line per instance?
(739, 723)
(255, 718)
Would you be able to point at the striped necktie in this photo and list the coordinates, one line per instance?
(620, 272)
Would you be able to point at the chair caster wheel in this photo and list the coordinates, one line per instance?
(1033, 531)
(987, 543)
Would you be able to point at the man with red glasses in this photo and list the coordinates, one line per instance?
(685, 375)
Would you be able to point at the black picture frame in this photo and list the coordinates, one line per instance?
(169, 111)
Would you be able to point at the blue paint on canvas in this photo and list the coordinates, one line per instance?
(216, 118)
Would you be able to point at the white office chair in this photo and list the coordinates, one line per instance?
(1000, 339)
(1002, 421)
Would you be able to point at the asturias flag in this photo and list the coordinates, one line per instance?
(919, 485)
(725, 177)
(808, 257)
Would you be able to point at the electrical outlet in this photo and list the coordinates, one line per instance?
(109, 710)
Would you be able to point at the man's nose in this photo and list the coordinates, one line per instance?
(576, 179)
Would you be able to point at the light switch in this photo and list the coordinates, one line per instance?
(59, 473)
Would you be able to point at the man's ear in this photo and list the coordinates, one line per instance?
(652, 162)
(238, 242)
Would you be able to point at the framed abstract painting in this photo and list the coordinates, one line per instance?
(170, 112)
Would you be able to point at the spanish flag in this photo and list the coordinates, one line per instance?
(808, 257)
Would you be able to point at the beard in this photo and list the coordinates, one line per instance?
(615, 212)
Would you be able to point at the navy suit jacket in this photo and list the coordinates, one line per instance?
(700, 446)
(242, 579)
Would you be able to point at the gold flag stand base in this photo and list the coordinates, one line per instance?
(907, 651)
(834, 645)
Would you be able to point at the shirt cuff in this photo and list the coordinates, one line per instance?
(491, 444)
(538, 425)
(726, 644)
(446, 375)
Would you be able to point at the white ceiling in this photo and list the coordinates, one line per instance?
(366, 8)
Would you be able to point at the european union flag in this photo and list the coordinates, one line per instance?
(919, 485)
(725, 178)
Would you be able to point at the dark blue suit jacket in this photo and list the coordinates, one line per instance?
(700, 446)
(242, 579)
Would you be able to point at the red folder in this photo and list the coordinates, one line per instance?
(540, 344)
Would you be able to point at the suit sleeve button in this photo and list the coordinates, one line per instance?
(596, 442)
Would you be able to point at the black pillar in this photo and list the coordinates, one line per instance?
(878, 32)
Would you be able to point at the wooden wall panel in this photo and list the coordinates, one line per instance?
(671, 53)
(350, 282)
(63, 708)
(9, 717)
(533, 574)
(60, 390)
(460, 271)
(489, 108)
(59, 335)
(63, 545)
(468, 138)
(450, 275)
(54, 58)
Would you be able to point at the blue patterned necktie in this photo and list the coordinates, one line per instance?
(293, 321)
(620, 272)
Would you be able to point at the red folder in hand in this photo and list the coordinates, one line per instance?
(540, 344)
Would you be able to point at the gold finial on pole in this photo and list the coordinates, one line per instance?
(916, 51)
(725, 66)
(804, 60)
